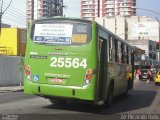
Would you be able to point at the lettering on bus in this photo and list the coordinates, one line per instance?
(68, 62)
(57, 75)
(79, 38)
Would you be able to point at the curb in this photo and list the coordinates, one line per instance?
(11, 89)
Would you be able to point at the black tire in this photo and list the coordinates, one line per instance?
(109, 101)
(128, 87)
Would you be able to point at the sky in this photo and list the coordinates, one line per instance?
(15, 14)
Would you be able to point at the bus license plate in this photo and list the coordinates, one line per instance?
(56, 80)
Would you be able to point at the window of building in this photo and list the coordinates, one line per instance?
(24, 36)
(150, 47)
(116, 50)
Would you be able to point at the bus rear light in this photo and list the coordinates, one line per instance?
(27, 67)
(90, 71)
(88, 76)
(28, 72)
(87, 82)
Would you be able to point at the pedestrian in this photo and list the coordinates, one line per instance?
(138, 74)
(149, 75)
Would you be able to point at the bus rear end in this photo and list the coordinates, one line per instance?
(61, 59)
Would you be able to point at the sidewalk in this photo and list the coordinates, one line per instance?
(11, 89)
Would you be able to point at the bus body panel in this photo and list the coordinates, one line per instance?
(60, 71)
(57, 80)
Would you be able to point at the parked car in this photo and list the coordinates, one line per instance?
(157, 78)
(143, 75)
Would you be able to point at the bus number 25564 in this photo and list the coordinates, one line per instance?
(68, 62)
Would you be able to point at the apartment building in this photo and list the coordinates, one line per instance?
(43, 8)
(90, 9)
(132, 27)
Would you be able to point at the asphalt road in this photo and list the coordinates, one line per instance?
(143, 102)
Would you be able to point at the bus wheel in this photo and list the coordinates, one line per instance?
(128, 87)
(110, 96)
(156, 84)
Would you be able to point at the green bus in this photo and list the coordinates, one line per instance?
(76, 60)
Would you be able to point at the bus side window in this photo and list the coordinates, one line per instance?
(119, 52)
(110, 48)
(127, 55)
(116, 50)
(100, 44)
(113, 50)
(123, 53)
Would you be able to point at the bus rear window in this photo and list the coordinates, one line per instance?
(61, 33)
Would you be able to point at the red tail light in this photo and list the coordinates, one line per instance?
(28, 72)
(88, 76)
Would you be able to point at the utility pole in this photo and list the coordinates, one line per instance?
(2, 12)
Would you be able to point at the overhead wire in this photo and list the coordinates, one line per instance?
(14, 14)
(17, 11)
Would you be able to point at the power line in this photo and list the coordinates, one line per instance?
(15, 9)
(3, 11)
(9, 20)
(15, 18)
(14, 15)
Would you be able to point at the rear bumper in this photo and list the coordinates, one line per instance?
(58, 91)
(157, 80)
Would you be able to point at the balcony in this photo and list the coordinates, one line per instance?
(87, 8)
(88, 16)
(110, 6)
(110, 10)
(86, 4)
(125, 6)
(126, 1)
(88, 12)
(109, 2)
(127, 10)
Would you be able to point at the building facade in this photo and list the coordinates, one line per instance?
(13, 41)
(149, 46)
(90, 9)
(137, 30)
(43, 8)
(132, 27)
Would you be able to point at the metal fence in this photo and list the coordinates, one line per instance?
(10, 74)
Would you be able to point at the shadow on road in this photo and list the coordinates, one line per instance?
(136, 99)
